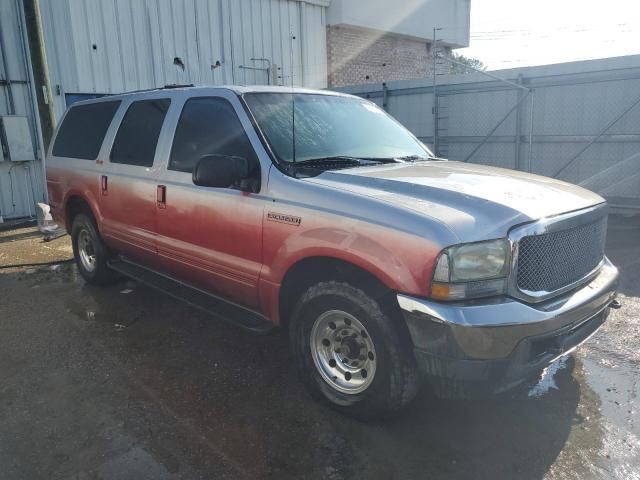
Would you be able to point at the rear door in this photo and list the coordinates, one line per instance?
(211, 237)
(128, 185)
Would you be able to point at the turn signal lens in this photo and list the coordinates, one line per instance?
(464, 291)
(440, 291)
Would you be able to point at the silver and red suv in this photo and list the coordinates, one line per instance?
(317, 211)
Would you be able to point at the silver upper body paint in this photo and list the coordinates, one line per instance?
(474, 202)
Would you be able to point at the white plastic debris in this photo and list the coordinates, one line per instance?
(45, 220)
(547, 381)
(126, 290)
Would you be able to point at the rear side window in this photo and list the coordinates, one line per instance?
(137, 137)
(83, 129)
(208, 126)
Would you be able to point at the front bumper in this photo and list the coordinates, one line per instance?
(491, 345)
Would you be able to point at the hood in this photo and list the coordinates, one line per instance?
(475, 202)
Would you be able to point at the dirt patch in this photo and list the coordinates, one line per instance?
(27, 245)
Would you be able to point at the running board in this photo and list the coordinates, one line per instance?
(213, 305)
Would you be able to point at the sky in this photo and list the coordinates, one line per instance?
(516, 33)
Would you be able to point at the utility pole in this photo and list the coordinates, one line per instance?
(434, 51)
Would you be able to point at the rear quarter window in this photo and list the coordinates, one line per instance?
(83, 130)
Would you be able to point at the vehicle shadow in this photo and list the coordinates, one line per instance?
(242, 393)
(518, 435)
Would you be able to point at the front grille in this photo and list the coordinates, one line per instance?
(551, 261)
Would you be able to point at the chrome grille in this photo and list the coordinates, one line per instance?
(551, 261)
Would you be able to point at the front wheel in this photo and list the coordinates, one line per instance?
(351, 352)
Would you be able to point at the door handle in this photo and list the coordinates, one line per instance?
(104, 185)
(161, 196)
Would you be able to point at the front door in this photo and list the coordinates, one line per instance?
(210, 237)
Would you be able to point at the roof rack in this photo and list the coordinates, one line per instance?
(177, 85)
(155, 89)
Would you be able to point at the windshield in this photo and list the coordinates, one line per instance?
(330, 126)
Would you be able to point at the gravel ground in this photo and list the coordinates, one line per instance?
(122, 382)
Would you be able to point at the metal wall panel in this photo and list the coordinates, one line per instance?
(114, 46)
(314, 46)
(21, 183)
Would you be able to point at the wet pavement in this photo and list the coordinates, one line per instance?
(124, 383)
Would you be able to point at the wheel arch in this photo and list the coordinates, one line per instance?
(74, 204)
(311, 270)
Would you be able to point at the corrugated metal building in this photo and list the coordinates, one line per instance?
(98, 47)
(113, 46)
(21, 182)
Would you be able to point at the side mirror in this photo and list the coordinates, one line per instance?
(220, 171)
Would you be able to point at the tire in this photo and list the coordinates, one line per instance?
(90, 252)
(337, 311)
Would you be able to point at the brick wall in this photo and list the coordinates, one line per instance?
(356, 56)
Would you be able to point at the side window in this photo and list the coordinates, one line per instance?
(137, 137)
(208, 126)
(83, 129)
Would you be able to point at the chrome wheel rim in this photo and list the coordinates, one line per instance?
(86, 251)
(343, 352)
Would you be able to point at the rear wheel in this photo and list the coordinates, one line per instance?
(90, 252)
(351, 352)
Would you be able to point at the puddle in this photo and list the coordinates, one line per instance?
(606, 443)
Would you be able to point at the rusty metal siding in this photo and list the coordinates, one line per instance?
(114, 46)
(21, 183)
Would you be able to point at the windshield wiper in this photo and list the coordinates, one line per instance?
(417, 158)
(340, 161)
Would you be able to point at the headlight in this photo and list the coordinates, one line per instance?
(472, 270)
